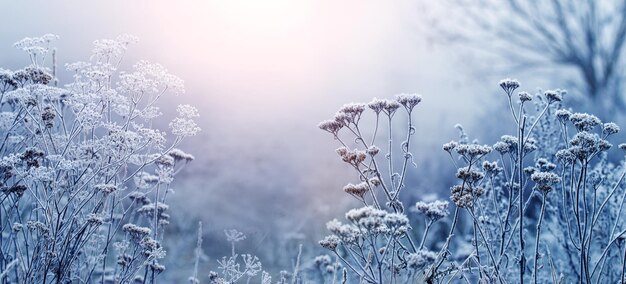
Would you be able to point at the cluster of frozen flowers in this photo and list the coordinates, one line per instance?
(84, 177)
(376, 244)
(544, 204)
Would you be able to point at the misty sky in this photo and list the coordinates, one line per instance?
(263, 74)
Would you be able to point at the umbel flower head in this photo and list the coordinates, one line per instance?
(509, 85)
(584, 121)
(545, 180)
(553, 95)
(409, 101)
(432, 210)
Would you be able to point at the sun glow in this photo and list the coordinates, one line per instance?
(274, 17)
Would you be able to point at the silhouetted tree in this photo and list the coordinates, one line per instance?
(586, 36)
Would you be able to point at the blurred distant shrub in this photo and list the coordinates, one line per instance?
(84, 178)
(545, 204)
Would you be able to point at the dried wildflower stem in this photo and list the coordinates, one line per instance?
(536, 256)
(606, 249)
(511, 107)
(623, 278)
(377, 172)
(390, 154)
(489, 252)
(581, 234)
(520, 173)
(407, 154)
(442, 255)
(198, 251)
(507, 226)
(347, 263)
(429, 224)
(619, 213)
(296, 269)
(530, 130)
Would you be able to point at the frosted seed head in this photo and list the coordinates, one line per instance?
(377, 105)
(553, 96)
(610, 128)
(584, 121)
(491, 167)
(524, 97)
(565, 156)
(509, 85)
(432, 210)
(544, 165)
(106, 188)
(330, 242)
(373, 150)
(180, 155)
(135, 231)
(545, 180)
(604, 145)
(374, 181)
(563, 115)
(449, 146)
(234, 236)
(409, 101)
(358, 190)
(390, 107)
(529, 170)
(421, 259)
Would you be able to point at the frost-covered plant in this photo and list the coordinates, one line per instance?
(375, 244)
(525, 175)
(238, 267)
(545, 204)
(84, 177)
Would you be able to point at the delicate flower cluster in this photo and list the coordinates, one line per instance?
(357, 190)
(545, 180)
(180, 155)
(347, 233)
(563, 115)
(554, 95)
(468, 175)
(36, 47)
(610, 128)
(472, 151)
(184, 125)
(365, 221)
(330, 242)
(584, 121)
(509, 85)
(106, 188)
(353, 157)
(544, 165)
(448, 147)
(332, 126)
(463, 196)
(421, 259)
(135, 231)
(350, 114)
(433, 210)
(234, 236)
(524, 97)
(583, 146)
(378, 221)
(109, 49)
(491, 168)
(80, 147)
(325, 264)
(409, 101)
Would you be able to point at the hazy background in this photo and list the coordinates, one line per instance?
(263, 74)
